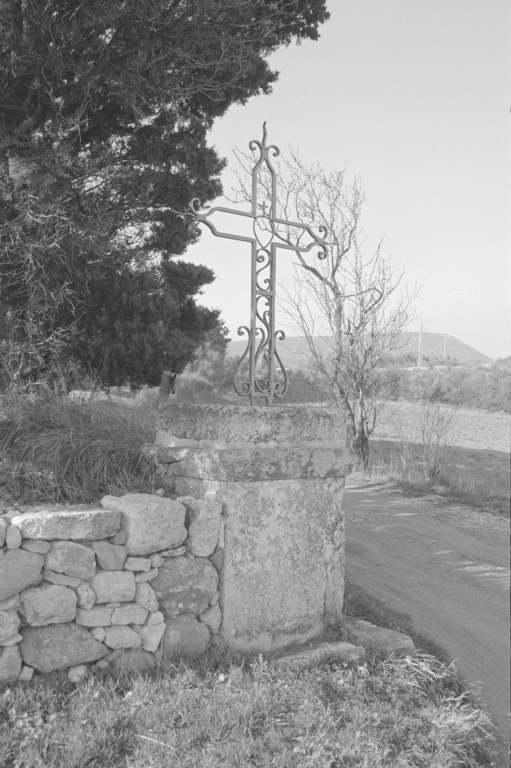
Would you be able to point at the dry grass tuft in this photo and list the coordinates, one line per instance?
(54, 448)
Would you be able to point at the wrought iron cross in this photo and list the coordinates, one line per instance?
(262, 386)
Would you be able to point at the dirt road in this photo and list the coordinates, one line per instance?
(448, 568)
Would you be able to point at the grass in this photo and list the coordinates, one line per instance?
(226, 712)
(58, 449)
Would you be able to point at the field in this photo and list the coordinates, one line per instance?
(474, 455)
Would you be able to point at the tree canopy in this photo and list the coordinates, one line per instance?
(104, 113)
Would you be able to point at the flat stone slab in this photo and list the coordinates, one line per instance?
(313, 657)
(248, 424)
(59, 646)
(80, 524)
(379, 640)
(265, 463)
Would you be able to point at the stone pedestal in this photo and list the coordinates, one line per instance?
(279, 474)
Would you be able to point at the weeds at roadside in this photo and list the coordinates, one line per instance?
(226, 712)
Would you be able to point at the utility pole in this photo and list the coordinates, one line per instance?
(419, 358)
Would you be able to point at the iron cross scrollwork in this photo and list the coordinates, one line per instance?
(264, 363)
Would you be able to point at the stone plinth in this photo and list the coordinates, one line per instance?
(279, 474)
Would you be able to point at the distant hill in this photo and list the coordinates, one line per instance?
(293, 350)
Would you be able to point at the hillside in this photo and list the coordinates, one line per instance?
(293, 350)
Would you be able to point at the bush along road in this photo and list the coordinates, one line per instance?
(447, 567)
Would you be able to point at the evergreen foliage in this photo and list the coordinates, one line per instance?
(104, 113)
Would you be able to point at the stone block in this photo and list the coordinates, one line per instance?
(146, 597)
(13, 537)
(98, 616)
(59, 646)
(136, 660)
(36, 545)
(61, 578)
(86, 595)
(203, 524)
(9, 623)
(129, 613)
(72, 559)
(212, 616)
(79, 524)
(10, 664)
(48, 604)
(247, 424)
(185, 637)
(110, 556)
(283, 562)
(185, 585)
(151, 635)
(113, 586)
(121, 637)
(137, 564)
(18, 570)
(379, 640)
(152, 523)
(265, 463)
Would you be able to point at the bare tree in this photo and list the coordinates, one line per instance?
(351, 307)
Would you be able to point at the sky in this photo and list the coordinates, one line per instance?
(412, 97)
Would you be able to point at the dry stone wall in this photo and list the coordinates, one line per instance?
(114, 587)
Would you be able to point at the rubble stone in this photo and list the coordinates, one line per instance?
(36, 545)
(11, 602)
(61, 578)
(177, 552)
(185, 585)
(185, 637)
(157, 561)
(152, 523)
(129, 613)
(98, 633)
(113, 586)
(379, 640)
(145, 596)
(77, 674)
(72, 559)
(9, 623)
(144, 577)
(48, 604)
(13, 537)
(136, 660)
(212, 616)
(26, 674)
(12, 640)
(59, 646)
(10, 664)
(86, 595)
(203, 524)
(119, 538)
(98, 616)
(53, 522)
(151, 635)
(121, 637)
(110, 557)
(137, 564)
(156, 617)
(18, 570)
